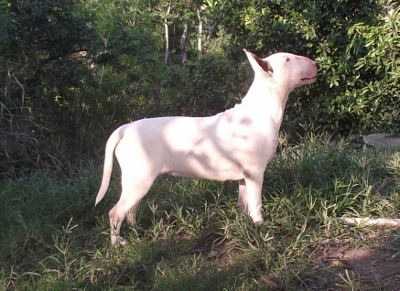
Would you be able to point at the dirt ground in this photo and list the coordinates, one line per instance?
(372, 268)
(369, 265)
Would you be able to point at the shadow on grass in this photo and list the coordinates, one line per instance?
(177, 264)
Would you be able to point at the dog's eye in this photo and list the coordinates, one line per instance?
(287, 59)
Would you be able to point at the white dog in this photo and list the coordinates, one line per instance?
(236, 144)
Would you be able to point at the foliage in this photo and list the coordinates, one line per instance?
(378, 71)
(190, 232)
(43, 69)
(72, 71)
(354, 93)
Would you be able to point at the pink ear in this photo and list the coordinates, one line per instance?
(259, 65)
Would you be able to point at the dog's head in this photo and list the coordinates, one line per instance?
(284, 69)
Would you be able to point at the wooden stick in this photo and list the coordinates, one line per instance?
(353, 221)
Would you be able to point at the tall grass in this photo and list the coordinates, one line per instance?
(190, 234)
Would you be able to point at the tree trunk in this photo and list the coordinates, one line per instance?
(210, 31)
(166, 35)
(183, 42)
(200, 33)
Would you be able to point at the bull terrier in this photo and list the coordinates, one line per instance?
(236, 144)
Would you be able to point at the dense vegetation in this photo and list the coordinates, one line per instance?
(72, 71)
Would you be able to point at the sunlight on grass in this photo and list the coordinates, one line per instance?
(190, 234)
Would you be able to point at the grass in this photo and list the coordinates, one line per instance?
(190, 235)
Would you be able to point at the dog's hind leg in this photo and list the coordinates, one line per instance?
(131, 215)
(133, 190)
(242, 199)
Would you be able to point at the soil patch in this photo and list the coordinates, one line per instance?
(373, 268)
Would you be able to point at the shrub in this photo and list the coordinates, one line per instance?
(355, 43)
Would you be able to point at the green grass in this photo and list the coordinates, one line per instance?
(190, 235)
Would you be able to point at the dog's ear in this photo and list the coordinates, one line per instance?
(259, 65)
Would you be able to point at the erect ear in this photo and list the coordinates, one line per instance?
(259, 65)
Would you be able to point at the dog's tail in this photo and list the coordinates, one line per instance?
(112, 142)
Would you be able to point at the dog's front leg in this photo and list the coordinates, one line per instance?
(253, 187)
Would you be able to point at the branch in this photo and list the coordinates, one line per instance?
(23, 92)
(353, 221)
(60, 55)
(210, 31)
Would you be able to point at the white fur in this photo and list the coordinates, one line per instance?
(236, 144)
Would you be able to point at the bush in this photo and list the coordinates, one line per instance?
(355, 43)
(88, 68)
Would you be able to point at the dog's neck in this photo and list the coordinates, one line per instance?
(266, 100)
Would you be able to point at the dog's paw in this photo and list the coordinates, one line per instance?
(120, 242)
(258, 223)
